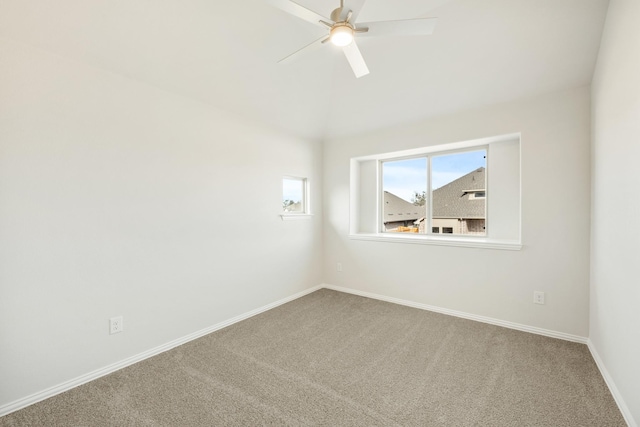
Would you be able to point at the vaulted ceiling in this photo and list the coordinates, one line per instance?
(225, 54)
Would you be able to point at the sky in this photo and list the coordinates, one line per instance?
(292, 189)
(403, 177)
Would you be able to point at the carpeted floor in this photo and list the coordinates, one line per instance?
(336, 359)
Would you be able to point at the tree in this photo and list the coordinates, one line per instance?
(286, 203)
(419, 199)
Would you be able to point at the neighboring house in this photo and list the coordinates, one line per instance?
(458, 208)
(400, 215)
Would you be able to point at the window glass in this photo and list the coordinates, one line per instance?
(404, 200)
(458, 185)
(293, 195)
(455, 202)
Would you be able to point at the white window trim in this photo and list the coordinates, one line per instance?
(306, 213)
(294, 216)
(472, 195)
(484, 242)
(439, 240)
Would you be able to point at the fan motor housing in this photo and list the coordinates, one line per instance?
(335, 15)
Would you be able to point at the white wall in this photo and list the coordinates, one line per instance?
(117, 198)
(615, 242)
(494, 283)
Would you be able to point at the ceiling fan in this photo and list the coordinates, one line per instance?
(342, 29)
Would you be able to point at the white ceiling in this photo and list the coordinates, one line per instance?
(224, 54)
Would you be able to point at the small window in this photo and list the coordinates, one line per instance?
(294, 195)
(435, 230)
(447, 230)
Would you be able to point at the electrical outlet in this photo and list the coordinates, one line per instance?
(116, 325)
(538, 297)
(339, 266)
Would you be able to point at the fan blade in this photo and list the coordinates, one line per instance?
(355, 6)
(355, 59)
(408, 27)
(311, 46)
(301, 12)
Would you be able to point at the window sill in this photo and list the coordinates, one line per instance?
(289, 217)
(466, 242)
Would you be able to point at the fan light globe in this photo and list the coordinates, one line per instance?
(341, 35)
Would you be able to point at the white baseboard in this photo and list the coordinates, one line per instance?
(624, 409)
(68, 385)
(477, 318)
(626, 413)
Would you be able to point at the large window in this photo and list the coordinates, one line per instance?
(440, 191)
(464, 193)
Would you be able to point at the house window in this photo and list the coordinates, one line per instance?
(425, 178)
(477, 195)
(404, 187)
(437, 190)
(294, 195)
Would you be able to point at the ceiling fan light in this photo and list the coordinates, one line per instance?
(341, 35)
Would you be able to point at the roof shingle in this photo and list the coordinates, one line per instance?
(455, 199)
(397, 209)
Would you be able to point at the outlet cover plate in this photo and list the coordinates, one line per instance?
(116, 325)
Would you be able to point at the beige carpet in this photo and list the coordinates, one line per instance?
(335, 359)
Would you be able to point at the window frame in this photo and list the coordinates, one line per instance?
(381, 162)
(428, 156)
(306, 209)
(364, 196)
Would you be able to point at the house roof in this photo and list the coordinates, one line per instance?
(397, 209)
(453, 200)
(456, 199)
